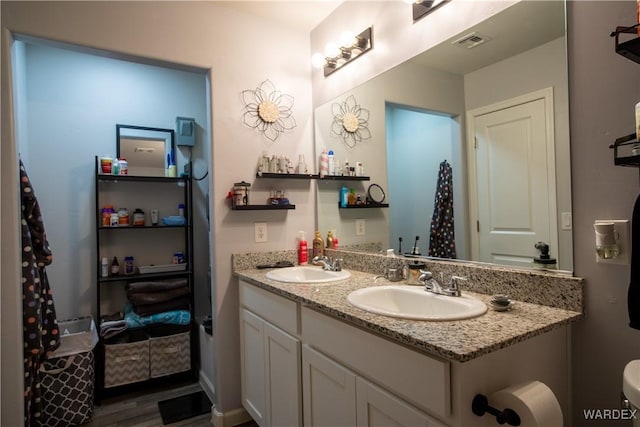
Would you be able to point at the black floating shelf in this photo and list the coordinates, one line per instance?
(286, 175)
(312, 176)
(630, 49)
(621, 144)
(365, 206)
(344, 178)
(263, 207)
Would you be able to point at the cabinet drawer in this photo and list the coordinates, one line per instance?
(278, 310)
(417, 378)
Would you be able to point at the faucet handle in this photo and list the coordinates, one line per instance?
(337, 264)
(453, 282)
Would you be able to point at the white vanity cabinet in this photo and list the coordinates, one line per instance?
(334, 395)
(270, 358)
(301, 366)
(339, 364)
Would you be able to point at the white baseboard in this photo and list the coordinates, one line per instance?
(229, 418)
(207, 386)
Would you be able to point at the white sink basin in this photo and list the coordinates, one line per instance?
(410, 302)
(307, 274)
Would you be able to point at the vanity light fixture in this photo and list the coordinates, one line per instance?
(421, 8)
(337, 56)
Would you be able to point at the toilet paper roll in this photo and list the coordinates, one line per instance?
(533, 401)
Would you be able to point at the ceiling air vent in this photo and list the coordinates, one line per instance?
(471, 40)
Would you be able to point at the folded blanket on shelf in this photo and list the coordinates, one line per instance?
(111, 328)
(144, 298)
(176, 317)
(156, 286)
(181, 303)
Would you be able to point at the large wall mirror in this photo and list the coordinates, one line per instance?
(492, 102)
(146, 149)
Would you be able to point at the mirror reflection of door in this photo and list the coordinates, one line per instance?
(514, 179)
(145, 156)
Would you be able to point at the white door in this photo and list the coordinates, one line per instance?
(252, 365)
(329, 391)
(378, 408)
(514, 180)
(284, 403)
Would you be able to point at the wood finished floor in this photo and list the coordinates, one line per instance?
(141, 410)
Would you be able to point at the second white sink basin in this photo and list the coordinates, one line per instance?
(410, 302)
(307, 274)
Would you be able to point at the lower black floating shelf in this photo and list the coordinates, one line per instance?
(365, 206)
(263, 207)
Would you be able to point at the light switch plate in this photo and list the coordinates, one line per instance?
(360, 230)
(624, 242)
(260, 232)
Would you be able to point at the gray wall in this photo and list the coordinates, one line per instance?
(603, 87)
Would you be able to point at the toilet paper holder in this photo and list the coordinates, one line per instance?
(480, 406)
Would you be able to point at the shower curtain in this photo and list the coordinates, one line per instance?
(40, 327)
(441, 238)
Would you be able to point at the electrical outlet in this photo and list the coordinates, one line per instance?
(260, 232)
(360, 227)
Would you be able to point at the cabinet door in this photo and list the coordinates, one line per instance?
(282, 364)
(329, 391)
(378, 408)
(252, 365)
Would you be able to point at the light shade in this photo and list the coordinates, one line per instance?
(421, 8)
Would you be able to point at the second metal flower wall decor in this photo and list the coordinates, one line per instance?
(268, 110)
(350, 122)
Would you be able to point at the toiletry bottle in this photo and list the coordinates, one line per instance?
(317, 245)
(324, 163)
(329, 240)
(115, 167)
(331, 163)
(128, 266)
(303, 250)
(351, 200)
(335, 240)
(181, 209)
(344, 197)
(104, 267)
(115, 267)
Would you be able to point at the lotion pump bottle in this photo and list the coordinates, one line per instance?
(318, 245)
(329, 240)
(303, 249)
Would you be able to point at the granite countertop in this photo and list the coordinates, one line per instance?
(459, 340)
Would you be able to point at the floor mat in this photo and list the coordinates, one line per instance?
(183, 407)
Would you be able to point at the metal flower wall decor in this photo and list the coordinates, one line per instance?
(268, 110)
(350, 122)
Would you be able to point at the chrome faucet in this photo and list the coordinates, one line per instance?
(451, 289)
(327, 263)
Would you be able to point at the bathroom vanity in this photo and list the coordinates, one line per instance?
(311, 358)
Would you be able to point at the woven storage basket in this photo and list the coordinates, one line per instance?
(126, 363)
(169, 354)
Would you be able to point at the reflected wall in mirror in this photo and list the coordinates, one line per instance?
(146, 149)
(431, 108)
